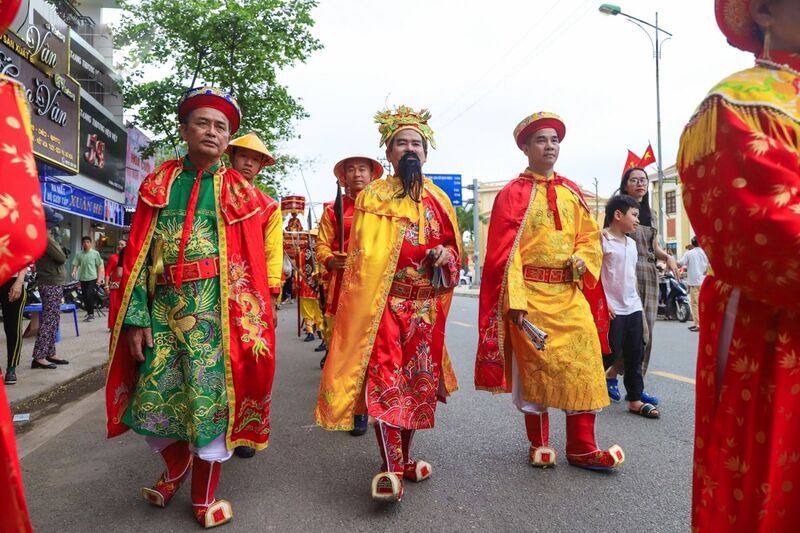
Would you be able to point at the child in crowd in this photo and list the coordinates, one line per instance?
(626, 334)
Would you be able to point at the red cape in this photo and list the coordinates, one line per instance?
(504, 224)
(247, 320)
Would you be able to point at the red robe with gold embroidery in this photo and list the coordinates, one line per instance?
(739, 162)
(23, 239)
(248, 325)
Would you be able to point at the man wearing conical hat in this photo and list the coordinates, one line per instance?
(353, 173)
(739, 163)
(402, 262)
(543, 248)
(192, 355)
(249, 156)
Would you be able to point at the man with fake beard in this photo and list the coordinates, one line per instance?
(403, 260)
(353, 173)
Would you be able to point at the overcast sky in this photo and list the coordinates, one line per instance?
(481, 67)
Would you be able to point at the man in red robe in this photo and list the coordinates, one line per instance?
(738, 162)
(249, 156)
(192, 350)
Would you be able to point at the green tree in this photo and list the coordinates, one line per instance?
(464, 217)
(238, 46)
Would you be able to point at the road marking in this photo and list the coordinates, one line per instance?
(54, 424)
(464, 324)
(676, 377)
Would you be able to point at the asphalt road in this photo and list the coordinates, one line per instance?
(312, 480)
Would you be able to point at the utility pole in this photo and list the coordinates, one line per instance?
(475, 224)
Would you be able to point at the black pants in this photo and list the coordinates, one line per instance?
(287, 288)
(89, 290)
(626, 336)
(12, 322)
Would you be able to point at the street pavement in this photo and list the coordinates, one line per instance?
(312, 480)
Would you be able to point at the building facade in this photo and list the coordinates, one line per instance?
(678, 232)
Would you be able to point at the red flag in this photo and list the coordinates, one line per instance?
(632, 161)
(649, 157)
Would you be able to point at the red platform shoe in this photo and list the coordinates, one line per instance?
(582, 450)
(417, 470)
(413, 470)
(387, 487)
(537, 425)
(178, 460)
(209, 511)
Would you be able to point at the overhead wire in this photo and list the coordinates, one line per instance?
(545, 43)
(496, 64)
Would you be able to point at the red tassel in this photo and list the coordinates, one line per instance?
(187, 228)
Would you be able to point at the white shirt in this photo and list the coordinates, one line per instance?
(696, 264)
(619, 274)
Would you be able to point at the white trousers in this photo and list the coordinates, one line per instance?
(214, 451)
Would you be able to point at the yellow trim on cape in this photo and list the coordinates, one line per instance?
(126, 295)
(501, 329)
(765, 99)
(379, 224)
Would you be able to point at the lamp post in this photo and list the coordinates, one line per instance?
(610, 9)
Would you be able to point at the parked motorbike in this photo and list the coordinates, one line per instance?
(32, 295)
(673, 299)
(73, 294)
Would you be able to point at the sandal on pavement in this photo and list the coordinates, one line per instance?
(647, 410)
(613, 389)
(649, 398)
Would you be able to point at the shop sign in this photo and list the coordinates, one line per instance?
(103, 146)
(54, 102)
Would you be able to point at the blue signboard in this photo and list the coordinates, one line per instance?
(450, 184)
(68, 198)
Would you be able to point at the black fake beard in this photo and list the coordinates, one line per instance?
(410, 173)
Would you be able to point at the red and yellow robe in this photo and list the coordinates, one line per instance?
(248, 324)
(569, 373)
(377, 238)
(739, 163)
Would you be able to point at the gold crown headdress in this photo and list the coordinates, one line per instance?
(390, 123)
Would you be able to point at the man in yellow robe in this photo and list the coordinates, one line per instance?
(402, 262)
(353, 173)
(543, 248)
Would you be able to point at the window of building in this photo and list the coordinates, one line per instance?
(669, 198)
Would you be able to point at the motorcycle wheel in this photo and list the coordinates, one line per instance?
(683, 312)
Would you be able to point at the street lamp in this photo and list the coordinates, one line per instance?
(610, 9)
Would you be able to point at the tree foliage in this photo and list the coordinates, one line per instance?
(237, 45)
(465, 221)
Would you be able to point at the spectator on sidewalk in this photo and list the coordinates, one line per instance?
(626, 334)
(696, 264)
(12, 302)
(87, 267)
(50, 277)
